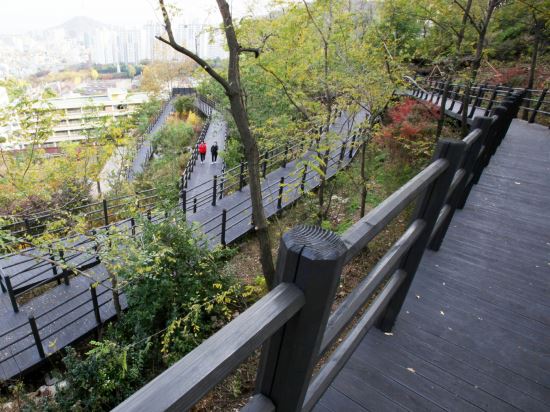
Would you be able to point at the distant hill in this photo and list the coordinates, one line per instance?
(80, 24)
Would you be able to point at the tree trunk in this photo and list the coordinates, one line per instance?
(464, 113)
(238, 112)
(460, 36)
(441, 120)
(116, 295)
(363, 179)
(236, 95)
(532, 67)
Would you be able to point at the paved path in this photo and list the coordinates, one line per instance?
(205, 172)
(474, 332)
(118, 159)
(238, 206)
(145, 151)
(66, 312)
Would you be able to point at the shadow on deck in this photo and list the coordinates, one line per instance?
(474, 332)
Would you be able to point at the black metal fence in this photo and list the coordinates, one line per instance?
(294, 322)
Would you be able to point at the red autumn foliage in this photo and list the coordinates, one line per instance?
(409, 133)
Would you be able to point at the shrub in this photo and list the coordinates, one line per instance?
(178, 294)
(184, 104)
(409, 131)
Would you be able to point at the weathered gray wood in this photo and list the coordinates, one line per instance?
(457, 188)
(428, 209)
(361, 233)
(313, 259)
(184, 383)
(362, 292)
(259, 403)
(473, 329)
(341, 355)
(473, 165)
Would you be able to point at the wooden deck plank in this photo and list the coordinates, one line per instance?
(476, 322)
(336, 402)
(471, 374)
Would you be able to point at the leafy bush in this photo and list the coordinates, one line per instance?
(178, 294)
(409, 132)
(184, 104)
(145, 114)
(173, 138)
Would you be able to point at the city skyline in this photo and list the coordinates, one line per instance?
(35, 15)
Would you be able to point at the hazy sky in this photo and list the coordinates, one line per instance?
(18, 16)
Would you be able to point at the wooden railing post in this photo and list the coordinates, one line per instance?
(105, 212)
(214, 189)
(303, 183)
(241, 177)
(11, 294)
(280, 196)
(343, 151)
(285, 159)
(224, 225)
(133, 226)
(184, 200)
(479, 96)
(491, 100)
(97, 314)
(526, 104)
(264, 164)
(455, 198)
(475, 167)
(36, 336)
(312, 259)
(456, 93)
(351, 146)
(27, 223)
(427, 209)
(537, 106)
(64, 270)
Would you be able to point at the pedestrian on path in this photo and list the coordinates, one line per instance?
(214, 152)
(202, 151)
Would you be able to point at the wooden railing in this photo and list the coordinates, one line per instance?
(31, 269)
(95, 214)
(293, 323)
(534, 103)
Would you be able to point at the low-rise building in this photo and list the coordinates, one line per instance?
(76, 116)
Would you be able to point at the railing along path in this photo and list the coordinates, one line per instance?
(80, 304)
(293, 323)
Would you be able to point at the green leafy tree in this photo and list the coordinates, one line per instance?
(232, 85)
(184, 104)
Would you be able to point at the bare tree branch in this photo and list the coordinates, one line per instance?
(468, 15)
(256, 51)
(301, 109)
(201, 62)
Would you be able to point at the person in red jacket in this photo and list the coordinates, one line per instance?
(202, 151)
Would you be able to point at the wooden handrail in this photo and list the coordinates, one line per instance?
(185, 382)
(312, 259)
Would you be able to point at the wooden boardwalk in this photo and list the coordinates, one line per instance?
(474, 333)
(65, 313)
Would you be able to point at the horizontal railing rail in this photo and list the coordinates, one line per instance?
(311, 261)
(484, 97)
(67, 260)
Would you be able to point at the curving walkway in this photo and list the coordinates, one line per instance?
(474, 332)
(217, 132)
(65, 313)
(146, 149)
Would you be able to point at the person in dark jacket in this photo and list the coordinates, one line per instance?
(214, 152)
